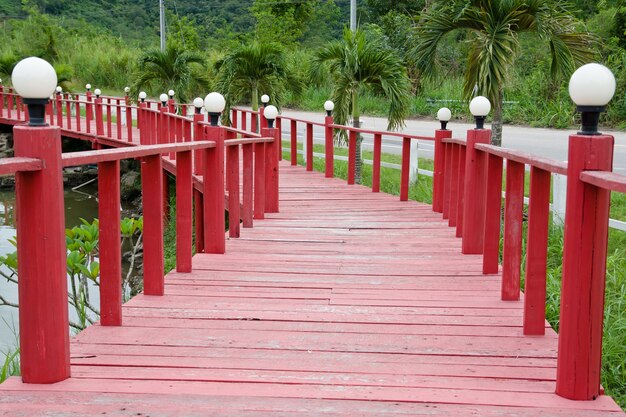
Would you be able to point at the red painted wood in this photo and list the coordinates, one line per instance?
(254, 121)
(309, 147)
(110, 244)
(584, 270)
(234, 208)
(474, 192)
(99, 117)
(214, 228)
(166, 197)
(493, 214)
(512, 253)
(198, 220)
(244, 120)
(351, 156)
(152, 193)
(378, 141)
(262, 119)
(537, 252)
(603, 179)
(44, 336)
(198, 135)
(248, 185)
(439, 169)
(15, 164)
(59, 108)
(557, 167)
(329, 147)
(454, 184)
(461, 196)
(77, 114)
(68, 111)
(118, 119)
(271, 172)
(184, 211)
(108, 106)
(294, 143)
(447, 179)
(259, 181)
(234, 121)
(89, 110)
(279, 129)
(404, 174)
(49, 111)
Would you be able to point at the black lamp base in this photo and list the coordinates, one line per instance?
(214, 118)
(444, 125)
(590, 116)
(480, 122)
(36, 111)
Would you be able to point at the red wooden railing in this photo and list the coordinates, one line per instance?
(467, 191)
(189, 147)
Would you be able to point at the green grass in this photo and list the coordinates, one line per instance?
(10, 364)
(614, 345)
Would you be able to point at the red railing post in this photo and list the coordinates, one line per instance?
(454, 184)
(460, 190)
(294, 142)
(474, 190)
(271, 171)
(309, 147)
(439, 169)
(129, 120)
(378, 144)
(351, 156)
(109, 118)
(244, 120)
(584, 270)
(248, 188)
(234, 122)
(10, 103)
(262, 119)
(99, 117)
(493, 213)
(513, 212)
(259, 181)
(254, 121)
(41, 251)
(110, 244)
(77, 112)
(214, 228)
(198, 201)
(118, 119)
(171, 105)
(184, 212)
(89, 110)
(2, 100)
(404, 173)
(144, 135)
(50, 112)
(68, 111)
(279, 130)
(198, 166)
(537, 252)
(329, 146)
(152, 190)
(234, 207)
(59, 105)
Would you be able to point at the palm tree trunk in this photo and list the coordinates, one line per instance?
(356, 122)
(496, 125)
(255, 106)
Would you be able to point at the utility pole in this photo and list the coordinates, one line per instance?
(162, 23)
(353, 15)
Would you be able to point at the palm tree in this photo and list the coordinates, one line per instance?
(494, 28)
(175, 69)
(254, 68)
(357, 63)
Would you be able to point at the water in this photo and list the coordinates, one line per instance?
(77, 206)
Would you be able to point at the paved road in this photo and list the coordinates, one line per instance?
(550, 143)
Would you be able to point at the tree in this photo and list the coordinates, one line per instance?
(357, 63)
(282, 20)
(251, 69)
(493, 30)
(176, 69)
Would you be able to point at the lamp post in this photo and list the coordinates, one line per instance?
(126, 91)
(329, 145)
(163, 99)
(88, 87)
(472, 205)
(170, 101)
(97, 92)
(265, 99)
(443, 115)
(44, 335)
(198, 103)
(142, 96)
(213, 172)
(591, 87)
(271, 160)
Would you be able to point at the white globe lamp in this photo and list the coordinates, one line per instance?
(34, 79)
(270, 113)
(142, 96)
(163, 98)
(329, 106)
(214, 103)
(265, 99)
(444, 115)
(97, 92)
(480, 108)
(591, 87)
(198, 103)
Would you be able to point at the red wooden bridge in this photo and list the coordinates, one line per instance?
(332, 300)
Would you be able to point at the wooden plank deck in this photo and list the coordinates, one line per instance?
(347, 303)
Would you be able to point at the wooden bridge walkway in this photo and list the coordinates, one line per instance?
(346, 303)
